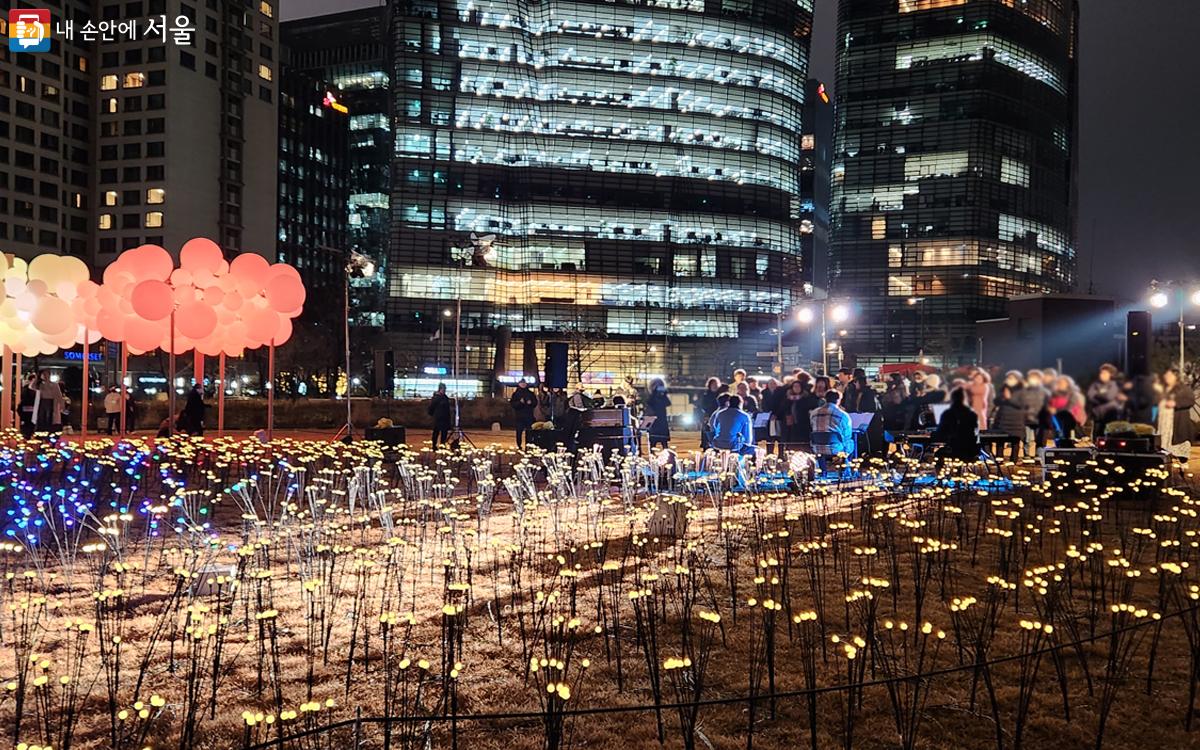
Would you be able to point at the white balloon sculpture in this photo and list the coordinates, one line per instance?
(42, 300)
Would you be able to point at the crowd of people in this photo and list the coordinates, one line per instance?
(1032, 409)
(850, 413)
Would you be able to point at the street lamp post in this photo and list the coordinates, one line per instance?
(839, 313)
(1160, 299)
(918, 302)
(361, 265)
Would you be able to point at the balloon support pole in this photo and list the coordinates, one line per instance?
(124, 389)
(221, 395)
(271, 390)
(6, 382)
(85, 396)
(171, 378)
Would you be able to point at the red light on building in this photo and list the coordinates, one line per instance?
(332, 102)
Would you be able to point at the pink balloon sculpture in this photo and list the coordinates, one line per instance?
(205, 304)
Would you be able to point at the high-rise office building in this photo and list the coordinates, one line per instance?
(953, 170)
(186, 126)
(145, 122)
(816, 162)
(46, 136)
(623, 176)
(350, 50)
(313, 183)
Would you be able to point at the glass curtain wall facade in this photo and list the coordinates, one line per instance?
(953, 167)
(621, 175)
(350, 50)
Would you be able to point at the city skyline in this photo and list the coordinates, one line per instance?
(1149, 129)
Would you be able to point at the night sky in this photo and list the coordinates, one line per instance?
(1139, 177)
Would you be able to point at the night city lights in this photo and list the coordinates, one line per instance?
(564, 374)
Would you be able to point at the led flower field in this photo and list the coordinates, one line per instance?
(241, 594)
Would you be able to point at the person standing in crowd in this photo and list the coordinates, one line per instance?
(769, 403)
(812, 397)
(892, 403)
(958, 429)
(541, 412)
(191, 419)
(749, 402)
(1103, 399)
(657, 404)
(440, 409)
(845, 376)
(980, 396)
(831, 431)
(49, 404)
(930, 393)
(732, 428)
(523, 402)
(112, 409)
(739, 377)
(1177, 403)
(559, 405)
(860, 397)
(1010, 415)
(27, 405)
(1036, 395)
(708, 406)
(786, 410)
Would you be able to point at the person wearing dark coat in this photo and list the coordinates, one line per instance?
(958, 429)
(1010, 415)
(802, 409)
(1179, 396)
(1032, 396)
(657, 403)
(442, 413)
(27, 404)
(860, 397)
(191, 419)
(708, 404)
(1103, 399)
(1140, 400)
(892, 404)
(523, 403)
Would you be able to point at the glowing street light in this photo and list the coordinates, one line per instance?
(839, 312)
(1160, 298)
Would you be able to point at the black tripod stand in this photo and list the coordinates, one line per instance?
(457, 436)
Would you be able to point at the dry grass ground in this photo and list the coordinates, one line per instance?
(285, 641)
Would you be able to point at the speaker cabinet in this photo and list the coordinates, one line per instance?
(1137, 343)
(556, 364)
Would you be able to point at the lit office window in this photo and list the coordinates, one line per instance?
(108, 82)
(105, 222)
(155, 195)
(265, 8)
(134, 80)
(264, 72)
(110, 198)
(154, 219)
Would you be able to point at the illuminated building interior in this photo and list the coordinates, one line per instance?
(629, 172)
(953, 167)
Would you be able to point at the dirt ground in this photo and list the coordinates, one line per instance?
(320, 581)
